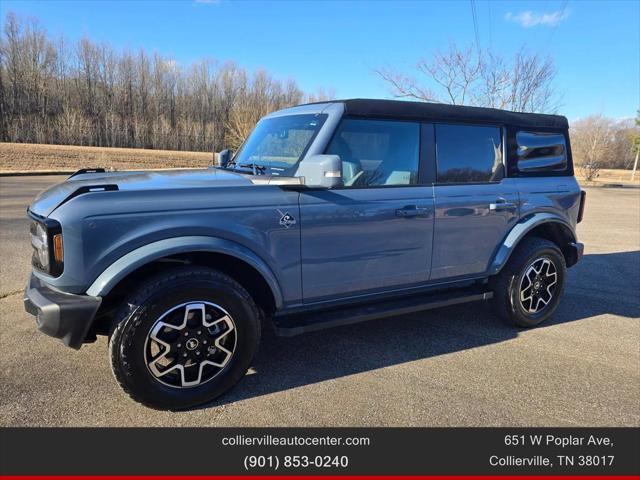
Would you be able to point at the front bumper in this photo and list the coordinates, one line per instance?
(60, 315)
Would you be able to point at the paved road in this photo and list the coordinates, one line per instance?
(454, 367)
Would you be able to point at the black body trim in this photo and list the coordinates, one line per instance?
(583, 200)
(427, 175)
(573, 253)
(89, 189)
(60, 315)
(291, 325)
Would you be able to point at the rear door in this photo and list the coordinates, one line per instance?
(475, 206)
(375, 234)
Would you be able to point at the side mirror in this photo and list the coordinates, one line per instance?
(222, 159)
(321, 171)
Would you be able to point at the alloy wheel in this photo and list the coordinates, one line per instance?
(190, 344)
(538, 285)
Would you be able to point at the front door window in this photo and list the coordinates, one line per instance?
(377, 152)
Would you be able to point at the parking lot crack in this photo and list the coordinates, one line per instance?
(8, 294)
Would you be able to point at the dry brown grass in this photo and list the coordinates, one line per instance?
(33, 157)
(610, 175)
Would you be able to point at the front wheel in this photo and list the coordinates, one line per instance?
(183, 338)
(528, 289)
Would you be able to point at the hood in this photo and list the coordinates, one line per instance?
(48, 200)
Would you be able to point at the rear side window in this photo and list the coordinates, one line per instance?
(541, 152)
(377, 152)
(468, 153)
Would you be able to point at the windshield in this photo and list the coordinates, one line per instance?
(276, 144)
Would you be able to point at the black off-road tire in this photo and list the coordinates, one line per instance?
(139, 313)
(506, 285)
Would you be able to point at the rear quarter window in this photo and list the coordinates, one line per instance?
(540, 152)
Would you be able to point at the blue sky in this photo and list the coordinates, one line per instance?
(595, 44)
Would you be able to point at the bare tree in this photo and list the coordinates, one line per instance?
(468, 76)
(622, 151)
(592, 141)
(258, 97)
(600, 142)
(321, 95)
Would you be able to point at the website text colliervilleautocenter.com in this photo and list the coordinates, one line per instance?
(294, 440)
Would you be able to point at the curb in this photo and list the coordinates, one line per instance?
(36, 173)
(620, 185)
(611, 185)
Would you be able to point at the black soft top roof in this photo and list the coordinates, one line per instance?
(443, 112)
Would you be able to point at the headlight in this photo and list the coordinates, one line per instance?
(46, 240)
(40, 244)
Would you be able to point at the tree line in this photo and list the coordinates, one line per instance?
(599, 142)
(86, 93)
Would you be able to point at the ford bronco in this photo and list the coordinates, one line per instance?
(328, 214)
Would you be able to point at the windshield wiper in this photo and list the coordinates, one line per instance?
(257, 169)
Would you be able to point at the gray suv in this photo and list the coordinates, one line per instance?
(329, 213)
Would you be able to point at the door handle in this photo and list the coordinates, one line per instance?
(412, 211)
(501, 205)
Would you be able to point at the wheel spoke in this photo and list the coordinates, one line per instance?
(536, 308)
(540, 300)
(527, 275)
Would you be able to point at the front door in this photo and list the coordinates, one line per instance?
(375, 234)
(475, 206)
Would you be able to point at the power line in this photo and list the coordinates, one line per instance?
(555, 27)
(490, 34)
(475, 23)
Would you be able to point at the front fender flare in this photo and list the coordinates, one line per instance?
(135, 259)
(518, 232)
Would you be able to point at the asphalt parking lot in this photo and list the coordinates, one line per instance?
(458, 366)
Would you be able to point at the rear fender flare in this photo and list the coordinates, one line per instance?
(518, 232)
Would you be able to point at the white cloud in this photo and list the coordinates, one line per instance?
(530, 18)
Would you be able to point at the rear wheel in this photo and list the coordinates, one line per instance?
(183, 338)
(528, 289)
